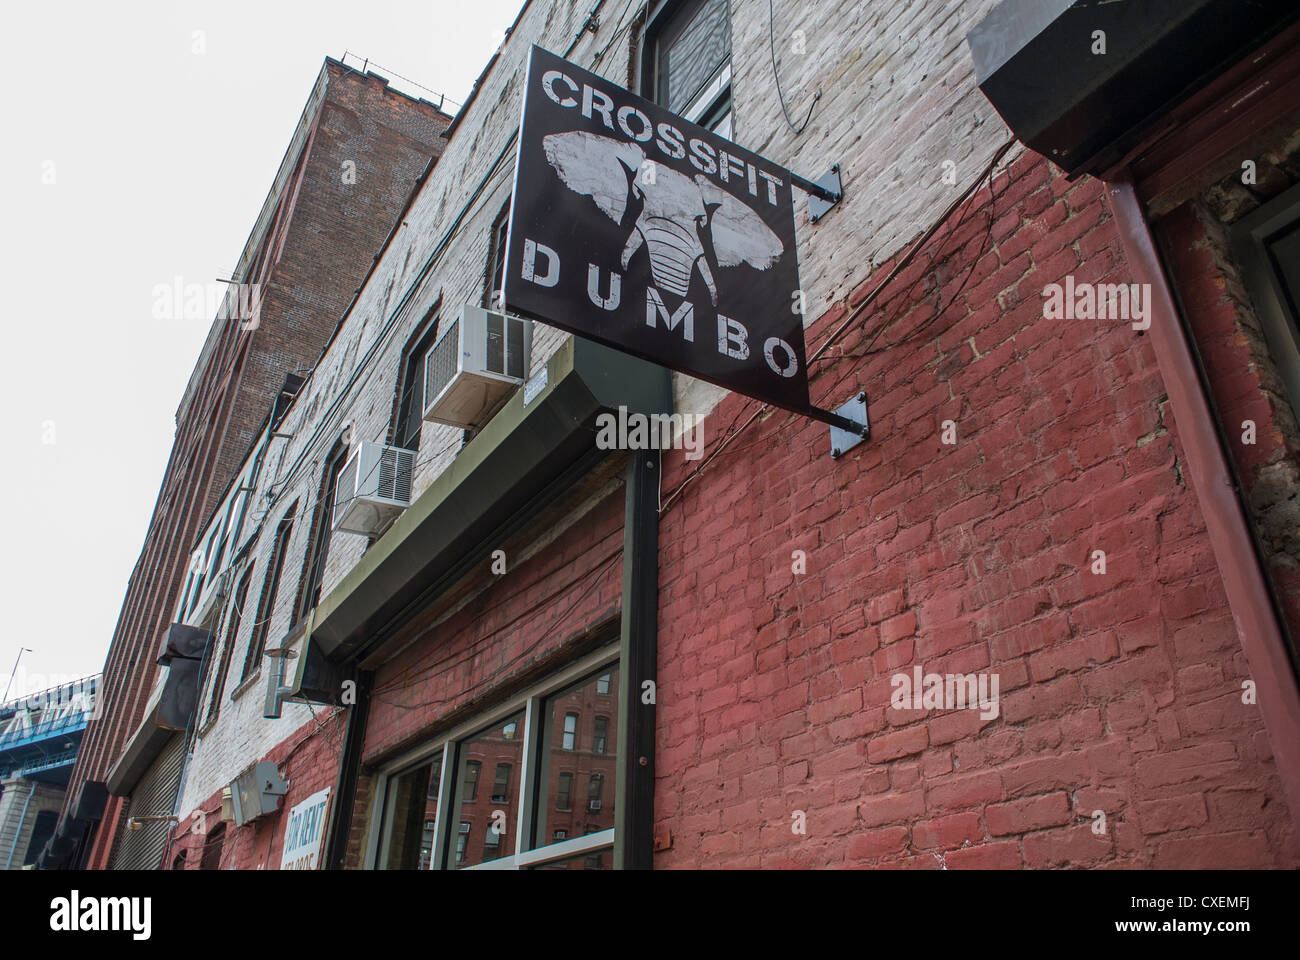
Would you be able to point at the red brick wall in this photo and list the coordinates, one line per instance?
(308, 760)
(1120, 692)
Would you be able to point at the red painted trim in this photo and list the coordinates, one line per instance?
(1262, 640)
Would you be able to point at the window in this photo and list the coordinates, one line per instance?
(576, 770)
(322, 528)
(687, 62)
(599, 734)
(411, 815)
(212, 846)
(495, 278)
(232, 637)
(1267, 244)
(472, 768)
(498, 746)
(266, 603)
(602, 686)
(462, 841)
(410, 387)
(529, 819)
(501, 785)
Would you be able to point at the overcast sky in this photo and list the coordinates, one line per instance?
(136, 151)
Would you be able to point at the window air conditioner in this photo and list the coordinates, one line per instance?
(373, 488)
(475, 364)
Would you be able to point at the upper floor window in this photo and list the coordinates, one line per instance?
(270, 587)
(495, 279)
(410, 387)
(236, 617)
(687, 62)
(322, 529)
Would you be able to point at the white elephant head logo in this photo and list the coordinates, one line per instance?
(685, 223)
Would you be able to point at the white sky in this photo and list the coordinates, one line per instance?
(161, 158)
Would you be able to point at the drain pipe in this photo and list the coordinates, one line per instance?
(1253, 613)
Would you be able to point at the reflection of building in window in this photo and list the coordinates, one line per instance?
(471, 780)
(501, 785)
(689, 68)
(560, 763)
(462, 839)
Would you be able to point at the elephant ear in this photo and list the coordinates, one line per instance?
(594, 166)
(739, 234)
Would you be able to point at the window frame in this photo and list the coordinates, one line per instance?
(238, 600)
(703, 107)
(266, 601)
(529, 851)
(312, 581)
(496, 258)
(1278, 317)
(410, 369)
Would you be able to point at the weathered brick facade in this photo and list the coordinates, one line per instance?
(1121, 692)
(963, 538)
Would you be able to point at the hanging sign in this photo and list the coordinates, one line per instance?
(654, 236)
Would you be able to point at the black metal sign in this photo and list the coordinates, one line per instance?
(635, 228)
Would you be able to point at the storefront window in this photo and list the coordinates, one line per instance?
(588, 761)
(492, 825)
(542, 767)
(412, 816)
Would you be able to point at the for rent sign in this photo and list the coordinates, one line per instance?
(654, 236)
(303, 831)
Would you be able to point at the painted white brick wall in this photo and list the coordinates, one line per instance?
(898, 98)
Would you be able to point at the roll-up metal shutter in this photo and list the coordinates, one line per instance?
(154, 796)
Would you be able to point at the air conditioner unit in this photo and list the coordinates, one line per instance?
(593, 804)
(373, 489)
(475, 364)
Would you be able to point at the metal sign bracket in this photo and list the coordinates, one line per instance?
(823, 193)
(849, 424)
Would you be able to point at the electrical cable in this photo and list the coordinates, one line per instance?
(776, 75)
(854, 314)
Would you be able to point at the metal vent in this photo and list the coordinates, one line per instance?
(515, 348)
(496, 344)
(441, 366)
(395, 474)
